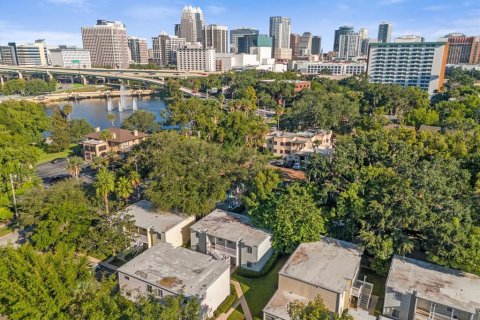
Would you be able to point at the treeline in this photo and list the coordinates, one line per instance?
(31, 87)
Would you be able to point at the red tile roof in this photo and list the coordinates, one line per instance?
(121, 135)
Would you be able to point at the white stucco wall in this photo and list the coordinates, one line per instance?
(216, 293)
(180, 234)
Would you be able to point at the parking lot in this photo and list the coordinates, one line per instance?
(55, 171)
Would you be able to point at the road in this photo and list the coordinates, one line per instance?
(49, 172)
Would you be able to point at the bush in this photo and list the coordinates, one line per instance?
(5, 214)
(227, 303)
(257, 274)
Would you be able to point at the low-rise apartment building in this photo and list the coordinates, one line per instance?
(329, 269)
(121, 141)
(418, 290)
(230, 235)
(153, 226)
(165, 270)
(297, 146)
(333, 68)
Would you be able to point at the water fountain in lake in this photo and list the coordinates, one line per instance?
(134, 104)
(123, 99)
(109, 104)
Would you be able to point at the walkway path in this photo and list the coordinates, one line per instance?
(240, 300)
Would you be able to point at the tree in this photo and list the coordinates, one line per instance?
(14, 86)
(106, 135)
(77, 129)
(104, 184)
(293, 217)
(172, 90)
(314, 310)
(68, 109)
(59, 131)
(261, 187)
(111, 117)
(74, 165)
(123, 188)
(142, 121)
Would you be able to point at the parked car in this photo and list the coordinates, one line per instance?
(58, 160)
(297, 166)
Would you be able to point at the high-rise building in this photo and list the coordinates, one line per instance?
(305, 44)
(195, 58)
(31, 54)
(165, 49)
(420, 64)
(138, 50)
(363, 32)
(316, 45)
(8, 54)
(107, 43)
(462, 49)
(70, 57)
(384, 32)
(343, 30)
(238, 33)
(295, 45)
(247, 42)
(191, 24)
(349, 46)
(409, 38)
(177, 30)
(280, 33)
(216, 37)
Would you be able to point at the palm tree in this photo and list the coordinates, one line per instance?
(104, 185)
(74, 166)
(106, 135)
(280, 110)
(123, 188)
(98, 163)
(111, 117)
(68, 109)
(135, 180)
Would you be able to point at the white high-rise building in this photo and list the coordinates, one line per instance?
(420, 64)
(195, 58)
(280, 29)
(31, 54)
(107, 43)
(363, 32)
(191, 24)
(70, 57)
(165, 49)
(138, 50)
(216, 37)
(349, 46)
(409, 38)
(305, 44)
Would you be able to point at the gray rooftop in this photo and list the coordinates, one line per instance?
(329, 263)
(231, 226)
(278, 304)
(299, 134)
(146, 217)
(449, 287)
(178, 270)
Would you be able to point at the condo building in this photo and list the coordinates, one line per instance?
(138, 50)
(332, 68)
(70, 57)
(195, 58)
(107, 43)
(408, 64)
(216, 37)
(165, 49)
(462, 49)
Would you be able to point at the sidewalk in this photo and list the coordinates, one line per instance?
(241, 300)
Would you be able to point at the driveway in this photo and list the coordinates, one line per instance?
(15, 238)
(51, 172)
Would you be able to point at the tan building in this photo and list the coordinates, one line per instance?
(154, 226)
(295, 146)
(328, 268)
(215, 37)
(138, 50)
(107, 43)
(121, 142)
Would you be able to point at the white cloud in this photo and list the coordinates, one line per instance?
(13, 33)
(75, 3)
(215, 10)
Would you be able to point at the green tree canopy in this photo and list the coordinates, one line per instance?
(142, 121)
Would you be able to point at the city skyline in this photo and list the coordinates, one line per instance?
(62, 19)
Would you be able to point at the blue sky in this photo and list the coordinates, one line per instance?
(59, 21)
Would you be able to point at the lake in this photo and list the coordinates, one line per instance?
(95, 110)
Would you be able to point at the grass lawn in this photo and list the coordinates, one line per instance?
(46, 157)
(378, 287)
(81, 88)
(5, 230)
(258, 291)
(236, 315)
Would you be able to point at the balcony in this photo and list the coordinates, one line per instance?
(421, 314)
(224, 249)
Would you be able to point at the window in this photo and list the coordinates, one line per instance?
(249, 249)
(395, 313)
(249, 264)
(398, 296)
(149, 288)
(159, 236)
(160, 293)
(127, 278)
(449, 309)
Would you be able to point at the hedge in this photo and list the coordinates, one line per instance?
(258, 274)
(227, 303)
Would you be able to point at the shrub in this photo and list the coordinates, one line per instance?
(5, 214)
(257, 274)
(227, 303)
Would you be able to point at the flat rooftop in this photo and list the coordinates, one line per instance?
(278, 304)
(449, 287)
(146, 217)
(231, 226)
(300, 134)
(178, 270)
(328, 263)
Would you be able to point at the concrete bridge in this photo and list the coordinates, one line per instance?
(155, 77)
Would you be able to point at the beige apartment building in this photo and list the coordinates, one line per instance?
(108, 44)
(296, 146)
(329, 269)
(121, 142)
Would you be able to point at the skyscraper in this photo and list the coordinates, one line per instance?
(343, 30)
(463, 49)
(165, 48)
(316, 45)
(237, 33)
(191, 24)
(246, 42)
(107, 43)
(305, 44)
(349, 46)
(177, 29)
(384, 32)
(216, 37)
(295, 44)
(363, 41)
(9, 54)
(280, 33)
(138, 50)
